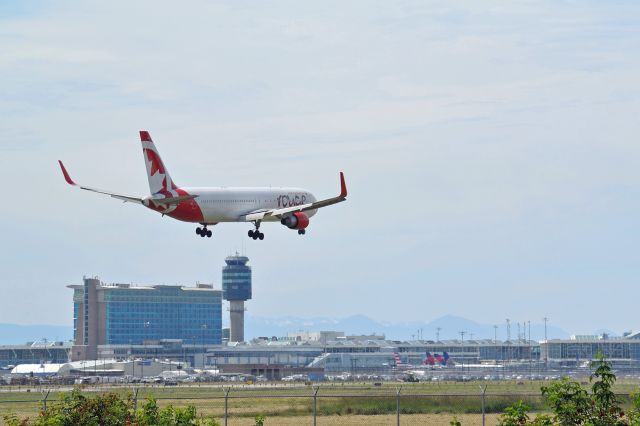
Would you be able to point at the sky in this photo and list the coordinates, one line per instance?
(490, 151)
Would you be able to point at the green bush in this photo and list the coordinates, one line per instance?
(573, 405)
(109, 409)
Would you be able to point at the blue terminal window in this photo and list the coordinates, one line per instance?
(76, 309)
(85, 334)
(136, 315)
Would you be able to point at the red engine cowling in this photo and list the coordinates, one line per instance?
(297, 220)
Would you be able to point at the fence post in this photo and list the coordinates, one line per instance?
(44, 400)
(226, 400)
(483, 390)
(315, 398)
(135, 399)
(398, 389)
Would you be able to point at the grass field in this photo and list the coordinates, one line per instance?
(337, 404)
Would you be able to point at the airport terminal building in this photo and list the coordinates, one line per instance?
(623, 352)
(351, 354)
(124, 314)
(184, 324)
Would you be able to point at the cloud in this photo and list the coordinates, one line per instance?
(487, 148)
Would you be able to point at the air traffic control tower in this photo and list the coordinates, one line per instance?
(236, 288)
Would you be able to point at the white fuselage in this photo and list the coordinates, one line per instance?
(207, 206)
(228, 204)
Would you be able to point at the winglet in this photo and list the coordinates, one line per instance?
(66, 175)
(343, 186)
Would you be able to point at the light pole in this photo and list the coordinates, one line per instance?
(146, 325)
(204, 332)
(529, 344)
(546, 349)
(133, 359)
(508, 341)
(462, 333)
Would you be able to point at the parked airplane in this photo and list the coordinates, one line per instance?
(436, 358)
(430, 360)
(292, 207)
(399, 364)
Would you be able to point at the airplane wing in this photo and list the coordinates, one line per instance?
(124, 198)
(261, 214)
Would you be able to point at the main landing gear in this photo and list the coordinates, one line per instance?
(301, 232)
(256, 234)
(204, 232)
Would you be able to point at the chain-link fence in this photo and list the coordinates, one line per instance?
(310, 405)
(317, 406)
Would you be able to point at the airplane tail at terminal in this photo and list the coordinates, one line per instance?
(429, 360)
(159, 179)
(433, 359)
(396, 358)
(442, 360)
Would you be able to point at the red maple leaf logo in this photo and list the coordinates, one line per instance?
(156, 162)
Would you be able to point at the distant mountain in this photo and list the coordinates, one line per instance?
(14, 334)
(450, 327)
(606, 331)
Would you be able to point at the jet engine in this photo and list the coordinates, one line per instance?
(297, 220)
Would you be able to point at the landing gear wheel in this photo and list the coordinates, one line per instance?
(255, 233)
(203, 232)
(301, 231)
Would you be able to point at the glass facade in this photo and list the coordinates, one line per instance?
(18, 354)
(76, 308)
(587, 351)
(85, 303)
(236, 278)
(133, 315)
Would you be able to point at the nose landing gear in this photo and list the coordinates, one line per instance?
(301, 232)
(204, 232)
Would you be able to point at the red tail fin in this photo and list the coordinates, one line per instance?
(157, 174)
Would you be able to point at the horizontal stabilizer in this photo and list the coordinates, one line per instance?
(172, 200)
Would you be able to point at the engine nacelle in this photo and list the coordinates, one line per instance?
(297, 220)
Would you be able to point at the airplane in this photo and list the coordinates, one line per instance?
(399, 364)
(292, 207)
(436, 358)
(430, 360)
